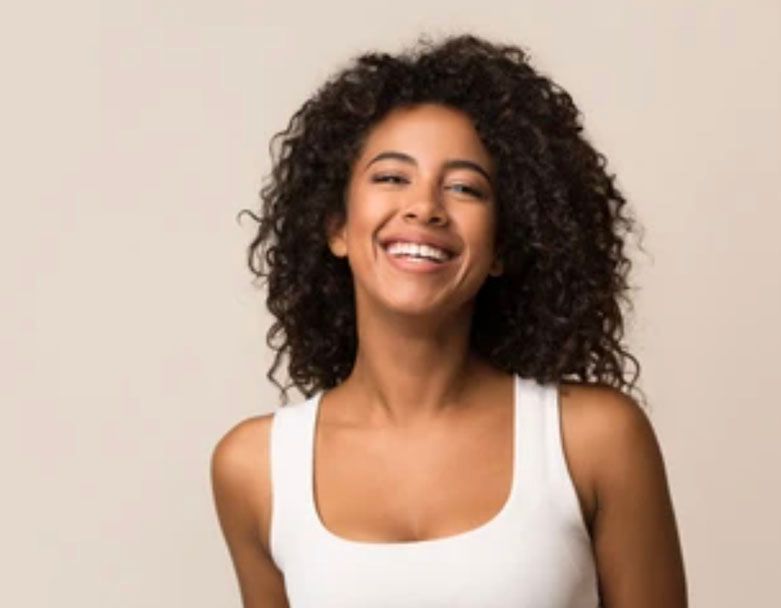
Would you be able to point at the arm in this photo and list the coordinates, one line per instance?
(241, 487)
(635, 537)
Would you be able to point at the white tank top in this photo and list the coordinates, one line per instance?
(535, 553)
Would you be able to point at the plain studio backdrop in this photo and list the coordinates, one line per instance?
(133, 339)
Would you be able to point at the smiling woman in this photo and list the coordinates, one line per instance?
(444, 254)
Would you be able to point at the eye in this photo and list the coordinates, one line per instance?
(469, 190)
(389, 178)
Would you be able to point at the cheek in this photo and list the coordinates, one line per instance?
(362, 226)
(364, 222)
(479, 228)
(366, 214)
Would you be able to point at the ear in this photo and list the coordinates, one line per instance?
(337, 235)
(497, 267)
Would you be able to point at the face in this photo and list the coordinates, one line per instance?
(423, 176)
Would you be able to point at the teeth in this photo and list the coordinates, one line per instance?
(418, 250)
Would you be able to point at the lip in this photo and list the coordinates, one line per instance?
(422, 239)
(417, 266)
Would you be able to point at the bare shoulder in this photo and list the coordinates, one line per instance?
(615, 427)
(603, 412)
(634, 530)
(598, 423)
(241, 482)
(624, 451)
(239, 445)
(240, 468)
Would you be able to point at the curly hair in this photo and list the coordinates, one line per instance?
(555, 312)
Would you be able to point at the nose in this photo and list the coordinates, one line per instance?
(427, 208)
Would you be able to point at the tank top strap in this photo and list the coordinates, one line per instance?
(291, 466)
(530, 456)
(559, 483)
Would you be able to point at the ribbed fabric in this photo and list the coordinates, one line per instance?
(535, 553)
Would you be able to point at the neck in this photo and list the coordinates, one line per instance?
(410, 370)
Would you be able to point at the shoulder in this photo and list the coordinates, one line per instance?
(611, 422)
(240, 471)
(607, 435)
(603, 412)
(617, 440)
(242, 490)
(634, 529)
(236, 453)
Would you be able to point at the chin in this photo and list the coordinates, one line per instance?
(409, 300)
(417, 307)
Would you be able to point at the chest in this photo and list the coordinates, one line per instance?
(432, 482)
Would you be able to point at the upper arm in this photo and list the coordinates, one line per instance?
(241, 488)
(635, 536)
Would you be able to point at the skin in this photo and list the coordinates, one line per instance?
(419, 408)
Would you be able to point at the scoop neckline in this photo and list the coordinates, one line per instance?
(464, 536)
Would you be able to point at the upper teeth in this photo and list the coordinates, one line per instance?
(417, 249)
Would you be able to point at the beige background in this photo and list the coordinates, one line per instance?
(132, 338)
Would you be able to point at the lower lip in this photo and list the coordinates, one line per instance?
(418, 265)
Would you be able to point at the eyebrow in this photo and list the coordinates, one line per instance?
(454, 163)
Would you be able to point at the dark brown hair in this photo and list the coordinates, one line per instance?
(554, 314)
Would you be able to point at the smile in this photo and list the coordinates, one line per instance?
(417, 251)
(415, 257)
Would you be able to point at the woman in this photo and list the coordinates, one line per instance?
(444, 255)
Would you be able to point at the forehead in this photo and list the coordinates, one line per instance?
(428, 132)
